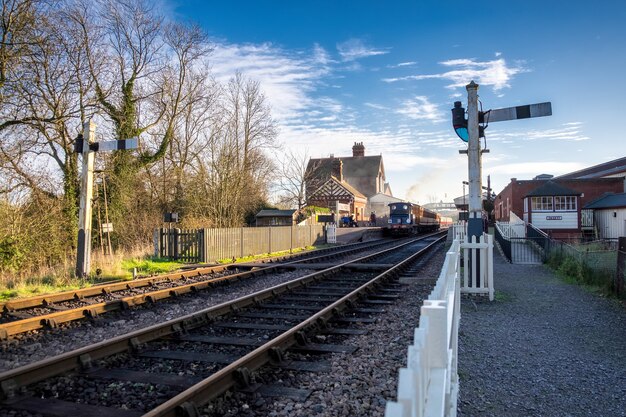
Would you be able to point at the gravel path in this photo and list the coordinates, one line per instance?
(543, 348)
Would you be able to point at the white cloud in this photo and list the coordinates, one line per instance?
(354, 49)
(420, 108)
(531, 169)
(571, 132)
(403, 64)
(287, 79)
(494, 73)
(375, 106)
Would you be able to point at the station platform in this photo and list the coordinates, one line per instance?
(347, 235)
(542, 347)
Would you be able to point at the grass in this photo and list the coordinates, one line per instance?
(148, 266)
(251, 258)
(503, 296)
(104, 268)
(574, 271)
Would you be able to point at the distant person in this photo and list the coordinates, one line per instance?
(373, 219)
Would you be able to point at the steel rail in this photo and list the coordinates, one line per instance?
(186, 402)
(52, 320)
(114, 286)
(12, 380)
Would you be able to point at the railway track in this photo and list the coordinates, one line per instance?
(206, 353)
(49, 311)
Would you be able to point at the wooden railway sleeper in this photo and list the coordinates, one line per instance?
(8, 389)
(4, 335)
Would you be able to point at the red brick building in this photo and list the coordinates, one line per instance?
(554, 205)
(346, 182)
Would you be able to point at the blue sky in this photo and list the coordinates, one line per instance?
(387, 74)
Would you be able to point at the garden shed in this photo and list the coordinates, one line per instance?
(609, 214)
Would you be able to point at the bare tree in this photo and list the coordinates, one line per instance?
(291, 184)
(151, 63)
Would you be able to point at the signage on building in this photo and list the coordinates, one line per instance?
(554, 217)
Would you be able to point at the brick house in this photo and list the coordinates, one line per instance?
(349, 181)
(561, 194)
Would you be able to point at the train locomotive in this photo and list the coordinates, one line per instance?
(406, 219)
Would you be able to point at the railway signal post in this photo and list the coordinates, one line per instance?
(87, 146)
(470, 131)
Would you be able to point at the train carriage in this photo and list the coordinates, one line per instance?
(407, 219)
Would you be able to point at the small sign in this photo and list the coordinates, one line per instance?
(554, 217)
(170, 218)
(107, 227)
(343, 207)
(325, 218)
(118, 145)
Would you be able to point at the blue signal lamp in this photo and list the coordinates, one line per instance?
(459, 122)
(463, 133)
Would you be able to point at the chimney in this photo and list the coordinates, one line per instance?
(358, 149)
(336, 169)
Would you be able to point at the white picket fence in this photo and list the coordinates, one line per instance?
(429, 385)
(459, 230)
(478, 280)
(331, 233)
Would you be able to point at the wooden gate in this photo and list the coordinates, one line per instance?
(186, 245)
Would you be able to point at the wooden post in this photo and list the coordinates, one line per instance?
(83, 258)
(241, 242)
(621, 266)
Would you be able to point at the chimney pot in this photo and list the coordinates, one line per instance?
(358, 149)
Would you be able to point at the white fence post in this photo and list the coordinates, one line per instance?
(428, 386)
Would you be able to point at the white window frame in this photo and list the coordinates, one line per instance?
(565, 203)
(541, 203)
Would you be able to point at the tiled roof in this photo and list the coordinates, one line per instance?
(353, 166)
(551, 188)
(608, 201)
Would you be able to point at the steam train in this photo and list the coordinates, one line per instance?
(407, 219)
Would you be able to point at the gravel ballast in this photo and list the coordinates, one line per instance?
(359, 383)
(542, 348)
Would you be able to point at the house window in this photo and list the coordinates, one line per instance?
(565, 203)
(541, 203)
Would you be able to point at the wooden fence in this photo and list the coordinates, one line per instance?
(429, 385)
(210, 245)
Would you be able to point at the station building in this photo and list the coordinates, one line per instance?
(555, 204)
(346, 184)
